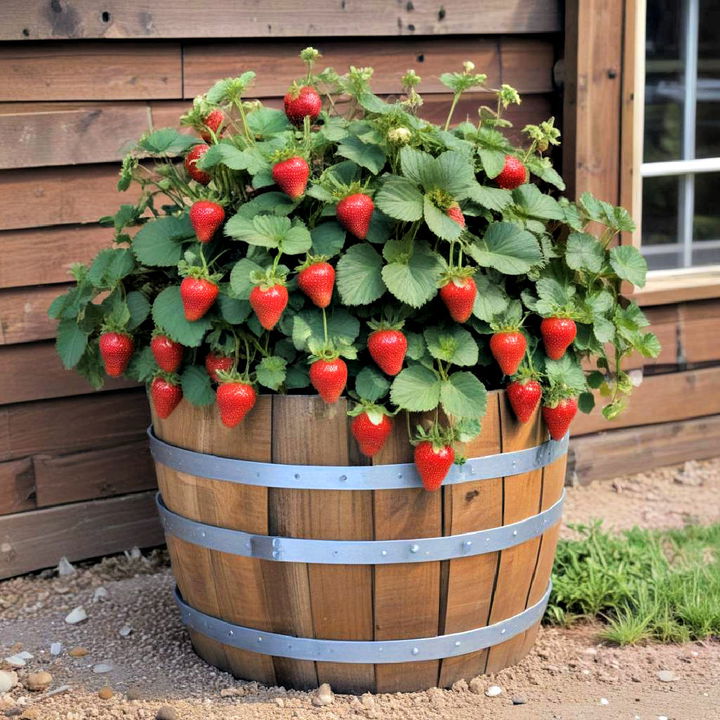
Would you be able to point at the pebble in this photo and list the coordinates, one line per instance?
(460, 686)
(105, 693)
(662, 717)
(666, 676)
(133, 694)
(38, 681)
(76, 616)
(8, 680)
(65, 567)
(166, 713)
(367, 700)
(604, 701)
(78, 652)
(15, 661)
(519, 700)
(55, 648)
(323, 696)
(125, 630)
(494, 691)
(100, 594)
(477, 686)
(102, 668)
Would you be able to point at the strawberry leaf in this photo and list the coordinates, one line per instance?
(371, 384)
(70, 343)
(268, 121)
(530, 202)
(240, 282)
(328, 239)
(142, 366)
(109, 267)
(584, 252)
(416, 389)
(400, 199)
(196, 386)
(493, 161)
(414, 281)
(629, 264)
(271, 371)
(370, 157)
(463, 395)
(439, 223)
(167, 141)
(233, 310)
(491, 298)
(490, 197)
(275, 203)
(359, 279)
(454, 345)
(567, 372)
(158, 242)
(168, 313)
(507, 248)
(586, 402)
(139, 308)
(308, 327)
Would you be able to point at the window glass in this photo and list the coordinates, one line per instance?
(708, 87)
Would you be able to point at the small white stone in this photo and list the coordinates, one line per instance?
(55, 648)
(133, 554)
(102, 668)
(662, 717)
(100, 594)
(76, 616)
(65, 567)
(15, 661)
(494, 691)
(125, 630)
(8, 680)
(604, 701)
(666, 676)
(324, 696)
(25, 655)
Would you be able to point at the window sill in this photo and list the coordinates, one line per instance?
(665, 287)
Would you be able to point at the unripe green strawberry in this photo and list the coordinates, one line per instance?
(558, 417)
(508, 349)
(191, 164)
(235, 400)
(329, 378)
(215, 362)
(214, 121)
(302, 102)
(371, 436)
(524, 398)
(432, 464)
(317, 282)
(168, 354)
(206, 217)
(116, 349)
(269, 304)
(291, 176)
(387, 348)
(557, 334)
(198, 296)
(354, 213)
(513, 175)
(459, 298)
(165, 395)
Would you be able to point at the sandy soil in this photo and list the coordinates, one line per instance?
(134, 632)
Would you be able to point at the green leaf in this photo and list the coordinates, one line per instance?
(439, 223)
(400, 199)
(616, 218)
(268, 121)
(233, 310)
(168, 313)
(70, 343)
(416, 345)
(452, 171)
(262, 230)
(297, 239)
(414, 282)
(139, 308)
(372, 103)
(463, 396)
(342, 327)
(489, 197)
(297, 377)
(240, 282)
(648, 345)
(584, 252)
(271, 372)
(110, 266)
(554, 293)
(359, 279)
(142, 366)
(415, 164)
(629, 264)
(603, 329)
(275, 203)
(370, 157)
(493, 162)
(416, 389)
(586, 402)
(491, 298)
(371, 384)
(533, 203)
(328, 238)
(196, 386)
(565, 371)
(542, 167)
(507, 248)
(157, 243)
(167, 141)
(454, 345)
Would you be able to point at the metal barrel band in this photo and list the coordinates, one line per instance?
(358, 552)
(353, 477)
(361, 651)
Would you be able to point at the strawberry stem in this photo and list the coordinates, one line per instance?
(325, 327)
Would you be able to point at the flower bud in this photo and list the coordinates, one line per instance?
(399, 135)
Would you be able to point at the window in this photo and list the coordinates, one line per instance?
(681, 156)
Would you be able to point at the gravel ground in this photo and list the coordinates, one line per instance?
(134, 636)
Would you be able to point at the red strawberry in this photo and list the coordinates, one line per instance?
(387, 348)
(329, 378)
(433, 465)
(559, 417)
(302, 102)
(291, 176)
(165, 396)
(371, 436)
(557, 334)
(269, 304)
(508, 349)
(514, 174)
(191, 164)
(116, 349)
(215, 362)
(206, 217)
(168, 354)
(524, 397)
(198, 295)
(214, 121)
(317, 281)
(455, 213)
(235, 400)
(459, 297)
(354, 213)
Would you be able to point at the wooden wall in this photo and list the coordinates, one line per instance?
(77, 84)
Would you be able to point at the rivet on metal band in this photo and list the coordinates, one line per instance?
(344, 477)
(360, 651)
(358, 552)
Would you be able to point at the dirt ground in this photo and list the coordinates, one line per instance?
(136, 645)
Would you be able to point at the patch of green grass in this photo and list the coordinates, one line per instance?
(644, 584)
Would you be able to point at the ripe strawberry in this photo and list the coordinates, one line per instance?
(559, 417)
(433, 465)
(371, 436)
(524, 397)
(235, 400)
(198, 295)
(269, 304)
(291, 176)
(508, 349)
(215, 362)
(302, 102)
(329, 378)
(206, 217)
(354, 213)
(387, 348)
(459, 297)
(116, 349)
(514, 174)
(455, 213)
(317, 282)
(214, 121)
(557, 334)
(191, 164)
(165, 395)
(168, 354)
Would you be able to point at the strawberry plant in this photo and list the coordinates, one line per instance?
(347, 245)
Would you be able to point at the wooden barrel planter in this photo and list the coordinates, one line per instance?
(298, 561)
